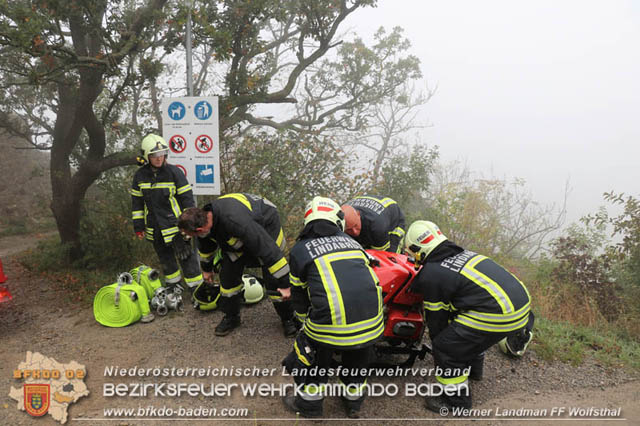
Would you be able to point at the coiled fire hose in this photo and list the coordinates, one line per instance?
(121, 303)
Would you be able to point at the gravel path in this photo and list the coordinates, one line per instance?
(38, 320)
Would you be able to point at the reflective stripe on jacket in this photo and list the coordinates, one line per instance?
(158, 198)
(335, 291)
(380, 218)
(473, 290)
(245, 225)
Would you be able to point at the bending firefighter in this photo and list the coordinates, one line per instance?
(159, 194)
(471, 304)
(335, 294)
(376, 223)
(246, 229)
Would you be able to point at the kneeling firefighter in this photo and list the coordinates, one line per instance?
(471, 304)
(335, 294)
(246, 229)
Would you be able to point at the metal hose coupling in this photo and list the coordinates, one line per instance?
(158, 302)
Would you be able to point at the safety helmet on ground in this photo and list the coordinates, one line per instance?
(326, 209)
(516, 344)
(253, 291)
(205, 296)
(153, 145)
(422, 238)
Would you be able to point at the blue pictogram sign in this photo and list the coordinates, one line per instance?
(202, 110)
(176, 111)
(204, 173)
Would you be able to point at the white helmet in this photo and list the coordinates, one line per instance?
(326, 209)
(421, 238)
(253, 291)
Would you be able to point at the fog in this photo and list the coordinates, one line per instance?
(548, 91)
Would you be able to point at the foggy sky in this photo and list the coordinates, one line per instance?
(542, 90)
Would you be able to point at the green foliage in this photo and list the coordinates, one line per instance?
(626, 225)
(106, 230)
(495, 217)
(289, 169)
(580, 266)
(566, 342)
(78, 285)
(406, 178)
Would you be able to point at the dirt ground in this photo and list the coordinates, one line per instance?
(38, 320)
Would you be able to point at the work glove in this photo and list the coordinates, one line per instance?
(181, 248)
(140, 234)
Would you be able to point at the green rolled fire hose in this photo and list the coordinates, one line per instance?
(122, 303)
(148, 278)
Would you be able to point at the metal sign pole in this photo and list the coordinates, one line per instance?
(189, 64)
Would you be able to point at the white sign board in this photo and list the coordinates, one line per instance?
(190, 127)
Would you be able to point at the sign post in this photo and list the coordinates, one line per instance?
(190, 127)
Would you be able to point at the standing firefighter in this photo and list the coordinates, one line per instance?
(159, 194)
(335, 294)
(246, 228)
(471, 303)
(376, 223)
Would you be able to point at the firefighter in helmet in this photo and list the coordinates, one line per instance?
(159, 194)
(471, 304)
(375, 222)
(336, 296)
(246, 228)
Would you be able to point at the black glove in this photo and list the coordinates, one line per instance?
(181, 248)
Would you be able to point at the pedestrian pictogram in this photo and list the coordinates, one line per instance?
(202, 110)
(204, 143)
(176, 110)
(177, 144)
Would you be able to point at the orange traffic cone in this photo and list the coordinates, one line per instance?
(3, 277)
(5, 294)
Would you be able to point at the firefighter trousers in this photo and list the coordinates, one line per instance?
(455, 349)
(311, 373)
(190, 266)
(231, 286)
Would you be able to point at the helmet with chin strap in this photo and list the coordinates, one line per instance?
(422, 238)
(326, 209)
(153, 146)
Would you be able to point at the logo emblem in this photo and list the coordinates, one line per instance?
(36, 399)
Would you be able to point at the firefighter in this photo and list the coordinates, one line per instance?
(376, 223)
(159, 194)
(471, 304)
(336, 296)
(246, 228)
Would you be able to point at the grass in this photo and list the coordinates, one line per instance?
(24, 226)
(78, 284)
(566, 342)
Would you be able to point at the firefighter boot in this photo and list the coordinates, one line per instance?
(444, 404)
(290, 402)
(438, 404)
(285, 312)
(352, 408)
(227, 325)
(477, 367)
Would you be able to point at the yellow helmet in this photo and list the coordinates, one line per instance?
(326, 209)
(421, 238)
(153, 145)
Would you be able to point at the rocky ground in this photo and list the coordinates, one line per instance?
(38, 320)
